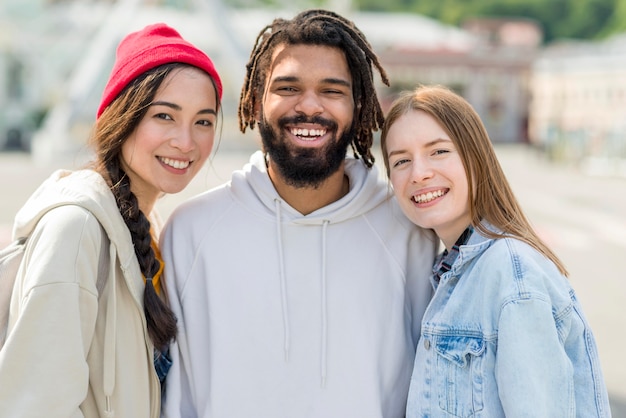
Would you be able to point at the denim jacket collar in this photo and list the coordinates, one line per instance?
(475, 246)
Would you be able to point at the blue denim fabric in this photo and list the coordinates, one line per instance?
(505, 336)
(162, 363)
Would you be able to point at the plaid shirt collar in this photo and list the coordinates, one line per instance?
(447, 258)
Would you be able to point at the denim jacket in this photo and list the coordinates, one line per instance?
(505, 336)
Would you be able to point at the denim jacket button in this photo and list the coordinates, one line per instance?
(427, 344)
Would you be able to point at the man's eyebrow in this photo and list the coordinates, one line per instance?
(339, 81)
(329, 80)
(286, 78)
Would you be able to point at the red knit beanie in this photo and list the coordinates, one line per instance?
(148, 48)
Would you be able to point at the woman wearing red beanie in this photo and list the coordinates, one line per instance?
(90, 324)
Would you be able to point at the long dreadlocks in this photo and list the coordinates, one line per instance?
(319, 27)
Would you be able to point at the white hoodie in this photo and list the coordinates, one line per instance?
(285, 315)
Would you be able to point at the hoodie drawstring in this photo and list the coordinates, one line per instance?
(283, 283)
(110, 334)
(324, 335)
(283, 295)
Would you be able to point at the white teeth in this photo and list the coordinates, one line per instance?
(308, 133)
(178, 164)
(427, 197)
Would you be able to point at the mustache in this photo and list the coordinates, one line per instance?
(318, 120)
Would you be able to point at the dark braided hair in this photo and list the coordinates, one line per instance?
(114, 126)
(324, 28)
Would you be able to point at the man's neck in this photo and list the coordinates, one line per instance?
(309, 199)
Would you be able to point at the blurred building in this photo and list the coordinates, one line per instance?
(56, 55)
(40, 44)
(488, 61)
(578, 106)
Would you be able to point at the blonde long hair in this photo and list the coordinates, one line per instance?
(492, 200)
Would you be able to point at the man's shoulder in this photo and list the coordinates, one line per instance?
(204, 204)
(388, 212)
(393, 225)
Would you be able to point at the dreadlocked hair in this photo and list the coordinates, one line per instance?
(323, 28)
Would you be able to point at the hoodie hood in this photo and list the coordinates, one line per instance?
(87, 189)
(253, 187)
(84, 188)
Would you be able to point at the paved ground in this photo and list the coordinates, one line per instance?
(581, 216)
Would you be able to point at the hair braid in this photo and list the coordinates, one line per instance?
(161, 321)
(320, 27)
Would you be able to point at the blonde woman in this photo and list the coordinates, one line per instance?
(504, 335)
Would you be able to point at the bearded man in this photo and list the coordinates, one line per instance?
(299, 285)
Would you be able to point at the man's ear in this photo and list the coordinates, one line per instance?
(257, 111)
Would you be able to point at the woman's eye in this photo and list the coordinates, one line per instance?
(399, 162)
(207, 123)
(164, 116)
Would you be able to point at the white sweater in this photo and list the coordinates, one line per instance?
(285, 315)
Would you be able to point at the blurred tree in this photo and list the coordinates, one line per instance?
(559, 19)
(577, 19)
(617, 22)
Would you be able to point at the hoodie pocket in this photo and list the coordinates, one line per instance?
(459, 374)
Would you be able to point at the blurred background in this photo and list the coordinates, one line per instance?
(548, 78)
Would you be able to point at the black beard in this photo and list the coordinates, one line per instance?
(305, 167)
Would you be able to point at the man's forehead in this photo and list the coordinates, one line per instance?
(285, 48)
(293, 59)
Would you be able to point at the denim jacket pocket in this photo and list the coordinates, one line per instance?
(459, 374)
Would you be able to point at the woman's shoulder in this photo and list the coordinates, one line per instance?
(70, 222)
(525, 272)
(524, 258)
(513, 252)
